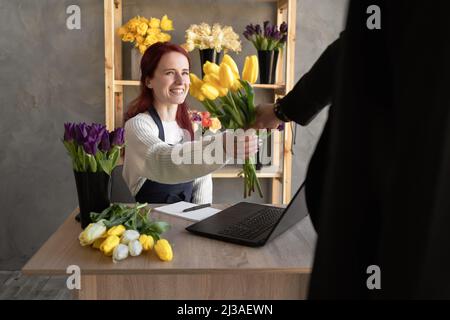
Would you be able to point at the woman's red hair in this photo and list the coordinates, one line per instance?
(145, 100)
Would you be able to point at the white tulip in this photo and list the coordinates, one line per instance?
(135, 248)
(92, 232)
(129, 235)
(120, 253)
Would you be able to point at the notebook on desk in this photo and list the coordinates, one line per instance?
(252, 224)
(176, 209)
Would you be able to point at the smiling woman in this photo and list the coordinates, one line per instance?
(157, 121)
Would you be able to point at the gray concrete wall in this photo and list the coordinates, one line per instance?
(51, 75)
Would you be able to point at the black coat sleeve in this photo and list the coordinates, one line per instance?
(314, 90)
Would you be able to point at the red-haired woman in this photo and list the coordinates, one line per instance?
(157, 122)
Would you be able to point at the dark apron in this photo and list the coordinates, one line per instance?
(155, 192)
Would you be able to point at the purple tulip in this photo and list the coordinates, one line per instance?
(69, 131)
(90, 145)
(117, 137)
(105, 145)
(80, 133)
(276, 35)
(258, 29)
(247, 35)
(284, 27)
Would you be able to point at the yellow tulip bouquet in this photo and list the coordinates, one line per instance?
(230, 98)
(144, 32)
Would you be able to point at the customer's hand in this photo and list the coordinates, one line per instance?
(240, 144)
(265, 117)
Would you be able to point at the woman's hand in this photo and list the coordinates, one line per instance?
(240, 144)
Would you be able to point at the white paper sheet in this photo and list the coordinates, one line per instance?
(176, 209)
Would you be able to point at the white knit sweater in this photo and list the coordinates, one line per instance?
(148, 157)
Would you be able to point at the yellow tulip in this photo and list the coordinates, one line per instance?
(210, 67)
(251, 69)
(195, 81)
(97, 243)
(139, 40)
(116, 230)
(230, 62)
(154, 23)
(91, 233)
(132, 24)
(226, 76)
(110, 243)
(213, 80)
(166, 23)
(209, 91)
(164, 250)
(146, 241)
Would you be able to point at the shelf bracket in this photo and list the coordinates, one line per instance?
(117, 3)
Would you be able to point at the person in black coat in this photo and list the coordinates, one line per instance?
(378, 184)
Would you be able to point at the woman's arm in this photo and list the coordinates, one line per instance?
(156, 160)
(202, 190)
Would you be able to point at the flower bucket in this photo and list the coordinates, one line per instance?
(210, 55)
(267, 66)
(94, 193)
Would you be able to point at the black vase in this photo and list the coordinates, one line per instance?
(210, 55)
(94, 194)
(267, 60)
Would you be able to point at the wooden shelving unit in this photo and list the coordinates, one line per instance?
(280, 170)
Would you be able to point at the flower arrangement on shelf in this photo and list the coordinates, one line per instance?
(93, 148)
(231, 99)
(202, 120)
(143, 32)
(269, 37)
(217, 37)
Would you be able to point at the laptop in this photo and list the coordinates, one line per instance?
(252, 224)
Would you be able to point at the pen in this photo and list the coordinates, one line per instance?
(197, 207)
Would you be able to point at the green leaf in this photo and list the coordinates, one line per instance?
(264, 44)
(92, 163)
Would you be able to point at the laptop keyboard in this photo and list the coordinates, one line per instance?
(254, 225)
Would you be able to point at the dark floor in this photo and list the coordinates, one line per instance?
(16, 286)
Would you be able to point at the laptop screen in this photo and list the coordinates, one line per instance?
(295, 212)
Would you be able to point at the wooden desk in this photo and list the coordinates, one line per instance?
(202, 268)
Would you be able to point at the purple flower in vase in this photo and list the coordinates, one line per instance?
(69, 131)
(105, 145)
(90, 145)
(117, 137)
(258, 29)
(80, 133)
(283, 27)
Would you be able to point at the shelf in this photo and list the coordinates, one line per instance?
(280, 88)
(232, 172)
(280, 171)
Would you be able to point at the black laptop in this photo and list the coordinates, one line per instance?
(252, 224)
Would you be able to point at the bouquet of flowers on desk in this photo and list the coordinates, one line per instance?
(231, 99)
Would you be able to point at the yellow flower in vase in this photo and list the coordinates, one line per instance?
(166, 24)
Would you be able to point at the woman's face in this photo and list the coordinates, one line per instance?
(170, 83)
